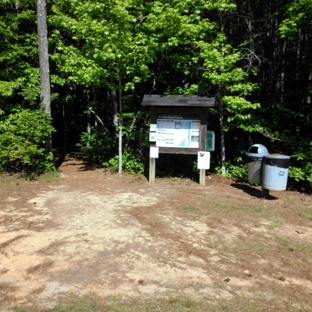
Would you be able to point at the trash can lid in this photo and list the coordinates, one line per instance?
(277, 156)
(277, 160)
(257, 150)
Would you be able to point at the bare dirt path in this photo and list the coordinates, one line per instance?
(92, 232)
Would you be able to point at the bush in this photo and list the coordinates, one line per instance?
(97, 146)
(300, 171)
(237, 171)
(130, 163)
(23, 136)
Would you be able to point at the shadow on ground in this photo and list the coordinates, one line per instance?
(252, 191)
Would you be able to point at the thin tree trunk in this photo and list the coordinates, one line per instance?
(120, 133)
(65, 149)
(222, 136)
(117, 120)
(221, 112)
(89, 128)
(114, 101)
(134, 120)
(283, 69)
(44, 61)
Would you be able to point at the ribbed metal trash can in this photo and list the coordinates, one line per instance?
(275, 172)
(255, 156)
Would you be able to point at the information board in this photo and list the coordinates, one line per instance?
(177, 131)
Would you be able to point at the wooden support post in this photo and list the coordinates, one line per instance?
(202, 177)
(152, 170)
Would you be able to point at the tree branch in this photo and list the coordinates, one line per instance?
(100, 120)
(265, 133)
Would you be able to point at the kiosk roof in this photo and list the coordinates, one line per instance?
(178, 100)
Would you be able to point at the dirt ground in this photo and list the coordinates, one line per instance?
(93, 232)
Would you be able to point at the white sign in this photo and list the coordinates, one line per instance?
(177, 132)
(203, 160)
(154, 152)
(152, 136)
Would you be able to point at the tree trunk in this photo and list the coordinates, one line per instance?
(65, 124)
(44, 61)
(120, 133)
(114, 101)
(283, 74)
(117, 120)
(221, 110)
(89, 128)
(222, 136)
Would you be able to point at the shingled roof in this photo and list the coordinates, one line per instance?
(177, 100)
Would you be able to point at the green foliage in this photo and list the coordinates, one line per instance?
(99, 148)
(301, 164)
(234, 170)
(108, 45)
(298, 13)
(202, 47)
(23, 136)
(19, 72)
(96, 146)
(130, 163)
(221, 63)
(193, 89)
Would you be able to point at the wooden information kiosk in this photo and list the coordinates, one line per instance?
(178, 125)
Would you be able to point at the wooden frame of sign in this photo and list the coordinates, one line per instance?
(175, 111)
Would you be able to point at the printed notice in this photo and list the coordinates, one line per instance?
(154, 152)
(177, 132)
(203, 160)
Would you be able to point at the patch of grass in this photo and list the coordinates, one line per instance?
(306, 213)
(221, 207)
(17, 309)
(246, 209)
(180, 303)
(7, 181)
(83, 304)
(173, 304)
(191, 208)
(275, 224)
(240, 304)
(213, 245)
(253, 246)
(216, 243)
(3, 285)
(51, 176)
(294, 246)
(305, 248)
(258, 208)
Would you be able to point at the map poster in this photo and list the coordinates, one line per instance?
(176, 131)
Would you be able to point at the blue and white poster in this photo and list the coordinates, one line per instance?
(174, 131)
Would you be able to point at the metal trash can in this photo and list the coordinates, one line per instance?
(275, 172)
(255, 156)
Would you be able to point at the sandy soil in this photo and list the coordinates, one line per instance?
(93, 232)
